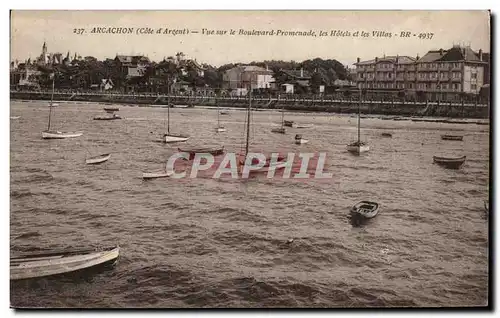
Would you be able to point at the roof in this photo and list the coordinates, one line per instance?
(131, 58)
(251, 68)
(403, 59)
(297, 74)
(456, 53)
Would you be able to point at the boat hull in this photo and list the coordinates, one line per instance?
(60, 135)
(193, 152)
(358, 149)
(450, 163)
(174, 138)
(278, 130)
(301, 141)
(450, 137)
(154, 175)
(59, 263)
(98, 159)
(303, 126)
(220, 129)
(365, 209)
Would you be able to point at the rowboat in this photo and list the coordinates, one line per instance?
(451, 163)
(386, 135)
(107, 117)
(220, 129)
(192, 152)
(15, 117)
(224, 112)
(48, 264)
(452, 137)
(52, 134)
(299, 140)
(155, 175)
(365, 209)
(288, 123)
(97, 159)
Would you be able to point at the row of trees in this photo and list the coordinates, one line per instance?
(84, 73)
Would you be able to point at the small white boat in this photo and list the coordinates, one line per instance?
(52, 134)
(224, 112)
(299, 140)
(358, 147)
(15, 117)
(170, 138)
(53, 104)
(48, 264)
(365, 209)
(155, 175)
(97, 159)
(220, 129)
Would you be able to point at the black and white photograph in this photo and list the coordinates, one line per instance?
(177, 159)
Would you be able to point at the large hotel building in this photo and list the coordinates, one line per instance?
(441, 74)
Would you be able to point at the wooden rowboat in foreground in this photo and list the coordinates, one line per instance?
(451, 163)
(55, 263)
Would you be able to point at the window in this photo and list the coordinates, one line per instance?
(455, 86)
(473, 87)
(473, 76)
(389, 75)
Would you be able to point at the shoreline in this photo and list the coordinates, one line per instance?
(371, 107)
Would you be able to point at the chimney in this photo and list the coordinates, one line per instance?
(397, 59)
(480, 54)
(441, 52)
(359, 60)
(301, 72)
(418, 57)
(376, 59)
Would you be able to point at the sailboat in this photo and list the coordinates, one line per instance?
(219, 128)
(171, 138)
(282, 129)
(359, 146)
(54, 134)
(280, 163)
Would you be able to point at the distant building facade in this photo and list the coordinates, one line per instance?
(440, 74)
(247, 77)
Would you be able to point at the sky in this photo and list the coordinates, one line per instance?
(29, 29)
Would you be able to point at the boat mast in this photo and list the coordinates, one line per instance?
(218, 113)
(168, 115)
(283, 117)
(51, 99)
(248, 122)
(359, 117)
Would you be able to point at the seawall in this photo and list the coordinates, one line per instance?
(395, 107)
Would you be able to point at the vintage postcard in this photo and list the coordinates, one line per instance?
(249, 159)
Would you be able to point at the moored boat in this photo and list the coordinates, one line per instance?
(452, 137)
(386, 135)
(97, 159)
(220, 129)
(49, 264)
(192, 152)
(303, 126)
(451, 163)
(114, 117)
(171, 138)
(111, 109)
(358, 147)
(288, 123)
(155, 175)
(299, 140)
(366, 209)
(280, 130)
(53, 134)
